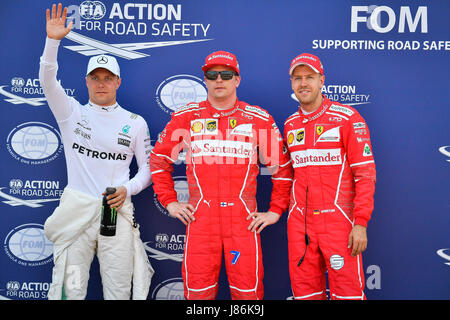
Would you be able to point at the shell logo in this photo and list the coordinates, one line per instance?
(197, 127)
(290, 138)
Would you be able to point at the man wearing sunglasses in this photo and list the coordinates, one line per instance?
(226, 140)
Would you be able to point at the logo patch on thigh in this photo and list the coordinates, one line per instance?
(336, 262)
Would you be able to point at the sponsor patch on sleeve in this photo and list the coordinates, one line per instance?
(257, 110)
(342, 109)
(367, 152)
(359, 125)
(186, 107)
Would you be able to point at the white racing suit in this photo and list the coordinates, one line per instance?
(74, 229)
(99, 145)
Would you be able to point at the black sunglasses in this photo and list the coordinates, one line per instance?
(225, 75)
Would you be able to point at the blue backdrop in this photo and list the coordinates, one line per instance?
(388, 59)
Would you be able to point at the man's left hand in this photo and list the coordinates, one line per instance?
(262, 220)
(357, 239)
(117, 199)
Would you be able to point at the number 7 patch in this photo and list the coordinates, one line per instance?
(236, 255)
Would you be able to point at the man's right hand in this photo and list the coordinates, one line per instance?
(182, 211)
(56, 23)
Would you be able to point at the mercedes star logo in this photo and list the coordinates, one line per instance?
(102, 60)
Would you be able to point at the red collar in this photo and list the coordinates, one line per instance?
(316, 114)
(216, 113)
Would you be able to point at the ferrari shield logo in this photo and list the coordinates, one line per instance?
(319, 130)
(233, 123)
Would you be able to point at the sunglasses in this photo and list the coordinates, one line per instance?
(224, 75)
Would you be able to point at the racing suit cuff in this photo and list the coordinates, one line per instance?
(169, 200)
(361, 221)
(127, 186)
(276, 210)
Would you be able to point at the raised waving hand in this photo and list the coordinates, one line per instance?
(56, 22)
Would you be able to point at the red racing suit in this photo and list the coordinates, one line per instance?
(224, 149)
(333, 187)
